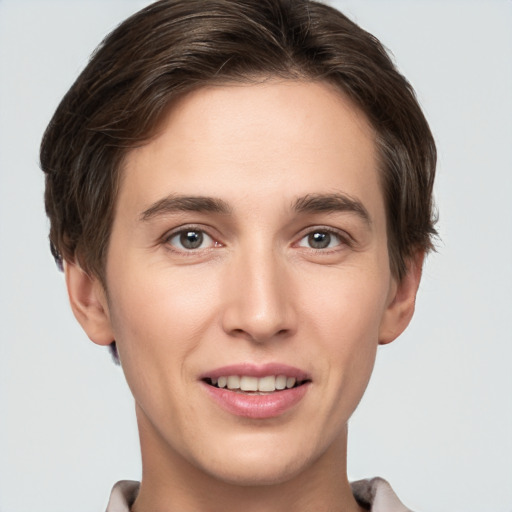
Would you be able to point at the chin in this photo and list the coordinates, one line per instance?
(259, 466)
(255, 475)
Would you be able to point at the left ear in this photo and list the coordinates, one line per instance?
(402, 301)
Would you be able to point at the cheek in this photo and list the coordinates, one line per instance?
(347, 318)
(159, 321)
(158, 317)
(348, 305)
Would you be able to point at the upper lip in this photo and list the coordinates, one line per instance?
(256, 370)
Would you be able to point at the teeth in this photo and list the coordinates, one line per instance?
(290, 382)
(249, 383)
(265, 384)
(233, 382)
(280, 382)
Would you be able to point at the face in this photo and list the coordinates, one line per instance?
(249, 254)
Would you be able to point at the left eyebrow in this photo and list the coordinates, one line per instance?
(326, 203)
(174, 203)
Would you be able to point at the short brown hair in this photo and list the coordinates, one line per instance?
(174, 46)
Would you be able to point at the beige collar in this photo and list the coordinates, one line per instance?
(374, 494)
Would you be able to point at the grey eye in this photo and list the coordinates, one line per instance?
(320, 240)
(191, 239)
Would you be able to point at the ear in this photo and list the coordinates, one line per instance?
(89, 304)
(402, 301)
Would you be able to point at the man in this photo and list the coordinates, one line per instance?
(240, 194)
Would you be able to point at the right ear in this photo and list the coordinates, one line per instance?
(89, 303)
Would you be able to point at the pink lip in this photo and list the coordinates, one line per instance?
(253, 370)
(256, 406)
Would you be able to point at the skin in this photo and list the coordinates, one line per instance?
(254, 291)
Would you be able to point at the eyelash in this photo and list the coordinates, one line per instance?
(343, 239)
(188, 229)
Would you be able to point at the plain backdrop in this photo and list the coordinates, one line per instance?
(437, 417)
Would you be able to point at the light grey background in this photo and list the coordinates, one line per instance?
(437, 417)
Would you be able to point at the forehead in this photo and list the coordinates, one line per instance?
(251, 141)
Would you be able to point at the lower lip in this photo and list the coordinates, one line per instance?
(257, 406)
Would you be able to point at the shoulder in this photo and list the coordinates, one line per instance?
(122, 496)
(376, 495)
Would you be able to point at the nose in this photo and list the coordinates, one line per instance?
(259, 298)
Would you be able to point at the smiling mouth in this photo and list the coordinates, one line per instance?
(255, 385)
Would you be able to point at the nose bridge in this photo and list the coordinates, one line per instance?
(260, 304)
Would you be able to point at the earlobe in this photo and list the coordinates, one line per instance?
(402, 301)
(89, 304)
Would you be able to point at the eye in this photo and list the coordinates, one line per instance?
(191, 239)
(321, 239)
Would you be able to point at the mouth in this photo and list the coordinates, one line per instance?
(257, 391)
(248, 384)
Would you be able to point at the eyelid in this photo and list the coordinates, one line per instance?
(169, 235)
(345, 238)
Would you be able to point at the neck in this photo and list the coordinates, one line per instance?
(170, 482)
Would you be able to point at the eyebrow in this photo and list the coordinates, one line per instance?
(326, 203)
(310, 203)
(173, 203)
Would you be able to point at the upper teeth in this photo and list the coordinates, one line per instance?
(246, 383)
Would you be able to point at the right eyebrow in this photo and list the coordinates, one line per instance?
(337, 202)
(173, 203)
